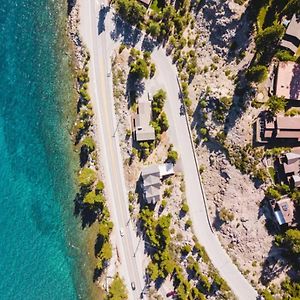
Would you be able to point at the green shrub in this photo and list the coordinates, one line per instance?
(187, 102)
(84, 94)
(163, 203)
(226, 215)
(203, 131)
(267, 295)
(272, 193)
(261, 174)
(89, 143)
(99, 187)
(188, 223)
(152, 70)
(122, 47)
(167, 192)
(186, 249)
(172, 156)
(185, 207)
(284, 55)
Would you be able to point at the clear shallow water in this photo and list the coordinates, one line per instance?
(36, 175)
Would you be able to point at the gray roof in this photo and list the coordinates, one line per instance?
(143, 130)
(296, 180)
(294, 27)
(152, 193)
(152, 169)
(291, 38)
(292, 157)
(151, 180)
(289, 45)
(146, 2)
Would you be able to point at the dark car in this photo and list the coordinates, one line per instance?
(172, 293)
(133, 285)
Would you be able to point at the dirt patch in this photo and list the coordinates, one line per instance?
(225, 48)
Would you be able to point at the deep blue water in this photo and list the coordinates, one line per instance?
(36, 165)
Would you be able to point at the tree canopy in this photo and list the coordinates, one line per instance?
(117, 290)
(131, 11)
(257, 73)
(269, 38)
(276, 104)
(139, 68)
(292, 239)
(89, 143)
(87, 177)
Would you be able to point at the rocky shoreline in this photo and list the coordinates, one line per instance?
(73, 20)
(80, 58)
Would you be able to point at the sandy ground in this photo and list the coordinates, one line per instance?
(246, 238)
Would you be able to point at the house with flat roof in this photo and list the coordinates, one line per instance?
(287, 80)
(142, 130)
(151, 181)
(283, 210)
(291, 39)
(279, 127)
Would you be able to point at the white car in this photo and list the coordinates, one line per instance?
(122, 232)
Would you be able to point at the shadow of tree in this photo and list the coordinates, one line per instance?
(217, 223)
(134, 89)
(125, 32)
(242, 96)
(87, 214)
(275, 263)
(102, 15)
(224, 28)
(98, 244)
(71, 4)
(83, 156)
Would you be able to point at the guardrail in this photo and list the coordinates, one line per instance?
(195, 156)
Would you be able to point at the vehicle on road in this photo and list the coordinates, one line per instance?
(172, 293)
(122, 232)
(182, 109)
(133, 285)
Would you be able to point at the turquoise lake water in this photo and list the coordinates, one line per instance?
(37, 225)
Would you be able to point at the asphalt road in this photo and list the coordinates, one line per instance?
(131, 267)
(179, 136)
(100, 46)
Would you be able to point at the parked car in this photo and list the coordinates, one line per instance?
(122, 232)
(172, 293)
